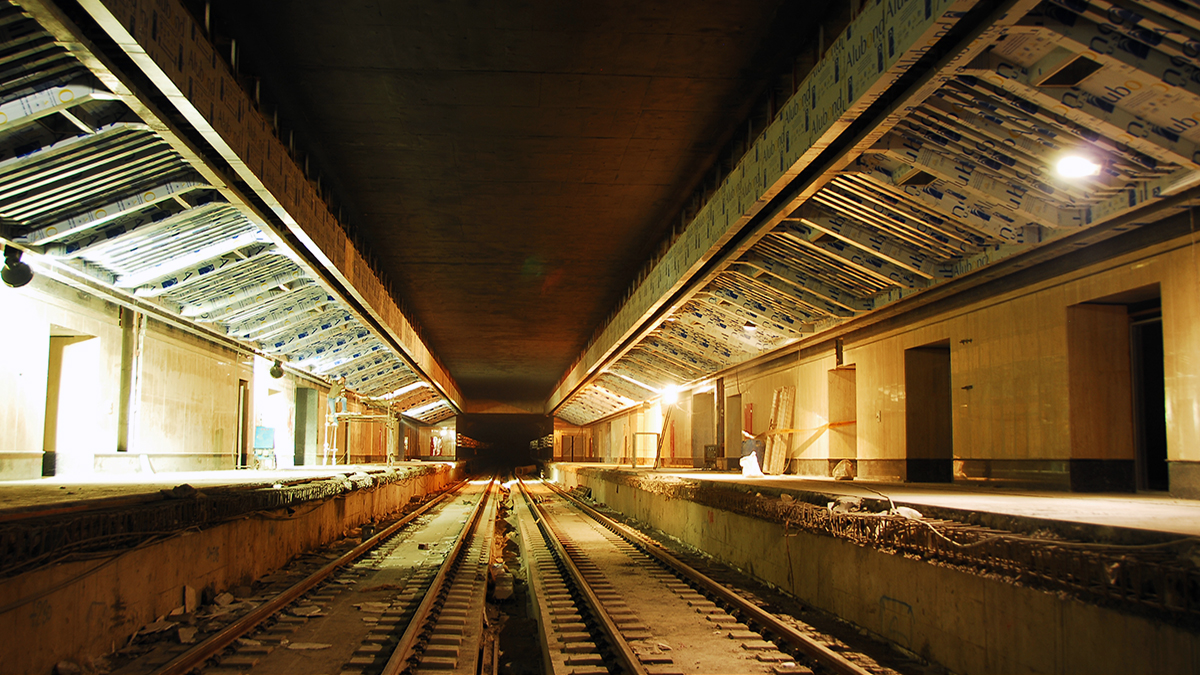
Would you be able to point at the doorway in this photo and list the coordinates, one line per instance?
(72, 386)
(242, 451)
(928, 414)
(733, 429)
(1149, 398)
(307, 430)
(1115, 384)
(843, 418)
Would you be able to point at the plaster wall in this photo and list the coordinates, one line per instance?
(186, 413)
(88, 411)
(757, 390)
(968, 623)
(189, 402)
(81, 610)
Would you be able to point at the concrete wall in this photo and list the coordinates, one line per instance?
(440, 437)
(968, 623)
(1021, 413)
(189, 402)
(80, 610)
(87, 378)
(62, 369)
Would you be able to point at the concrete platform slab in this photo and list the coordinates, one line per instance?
(1139, 511)
(63, 494)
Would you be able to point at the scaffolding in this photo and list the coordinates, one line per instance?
(333, 424)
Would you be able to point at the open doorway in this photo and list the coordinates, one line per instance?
(1117, 402)
(72, 387)
(928, 414)
(243, 431)
(1149, 399)
(734, 419)
(843, 418)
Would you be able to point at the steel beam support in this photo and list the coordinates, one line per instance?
(46, 102)
(848, 230)
(211, 268)
(857, 253)
(1093, 114)
(808, 283)
(107, 212)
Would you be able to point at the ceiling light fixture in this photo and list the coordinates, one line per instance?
(749, 327)
(15, 272)
(670, 394)
(276, 370)
(1076, 166)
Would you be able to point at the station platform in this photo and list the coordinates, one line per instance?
(1094, 516)
(44, 497)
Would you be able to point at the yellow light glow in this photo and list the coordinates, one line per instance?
(670, 394)
(1075, 166)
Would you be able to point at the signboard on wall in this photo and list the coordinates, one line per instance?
(264, 438)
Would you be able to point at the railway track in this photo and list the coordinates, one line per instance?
(406, 600)
(612, 600)
(414, 598)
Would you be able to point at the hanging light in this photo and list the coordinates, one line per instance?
(749, 327)
(670, 394)
(15, 272)
(276, 370)
(1076, 166)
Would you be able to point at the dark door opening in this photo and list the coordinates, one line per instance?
(843, 419)
(1149, 400)
(929, 432)
(306, 426)
(242, 451)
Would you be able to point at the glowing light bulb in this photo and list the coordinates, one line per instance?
(1074, 166)
(670, 394)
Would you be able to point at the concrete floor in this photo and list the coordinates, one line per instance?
(1143, 511)
(43, 496)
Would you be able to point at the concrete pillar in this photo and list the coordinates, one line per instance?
(133, 334)
(307, 422)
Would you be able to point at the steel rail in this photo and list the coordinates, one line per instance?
(398, 662)
(213, 645)
(624, 652)
(771, 623)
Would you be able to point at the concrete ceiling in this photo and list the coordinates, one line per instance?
(511, 165)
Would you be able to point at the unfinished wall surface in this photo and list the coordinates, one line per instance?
(65, 398)
(438, 441)
(1099, 378)
(79, 610)
(1022, 413)
(86, 386)
(188, 414)
(966, 622)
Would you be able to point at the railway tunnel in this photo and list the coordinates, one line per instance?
(778, 336)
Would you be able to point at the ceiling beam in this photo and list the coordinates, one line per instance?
(1093, 114)
(852, 232)
(858, 254)
(806, 282)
